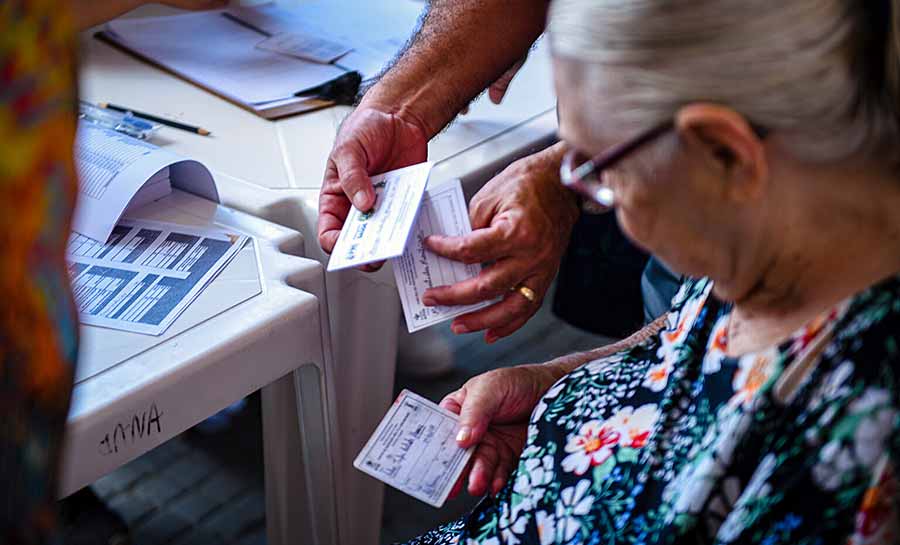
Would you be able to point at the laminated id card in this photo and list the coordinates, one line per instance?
(414, 449)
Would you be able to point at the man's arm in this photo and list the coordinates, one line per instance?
(462, 47)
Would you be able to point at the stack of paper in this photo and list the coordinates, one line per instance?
(374, 32)
(262, 57)
(146, 274)
(117, 173)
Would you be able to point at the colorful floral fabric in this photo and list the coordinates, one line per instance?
(674, 442)
(38, 326)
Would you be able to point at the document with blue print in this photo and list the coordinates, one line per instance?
(147, 272)
(414, 450)
(443, 212)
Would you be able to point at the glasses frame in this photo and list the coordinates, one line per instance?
(575, 177)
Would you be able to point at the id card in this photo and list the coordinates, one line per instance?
(381, 233)
(443, 212)
(414, 450)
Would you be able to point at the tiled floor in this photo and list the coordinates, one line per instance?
(201, 489)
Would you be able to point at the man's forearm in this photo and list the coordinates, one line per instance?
(461, 48)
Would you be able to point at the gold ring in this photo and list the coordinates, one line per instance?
(526, 292)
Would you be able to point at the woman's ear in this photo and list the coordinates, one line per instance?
(724, 140)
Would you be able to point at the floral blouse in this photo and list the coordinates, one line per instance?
(673, 441)
(38, 325)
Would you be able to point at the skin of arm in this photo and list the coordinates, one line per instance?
(461, 48)
(564, 365)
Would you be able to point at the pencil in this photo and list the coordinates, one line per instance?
(160, 120)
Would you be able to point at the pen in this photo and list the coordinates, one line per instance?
(150, 117)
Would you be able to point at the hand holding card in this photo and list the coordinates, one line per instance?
(381, 233)
(414, 450)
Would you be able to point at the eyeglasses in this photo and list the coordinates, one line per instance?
(584, 175)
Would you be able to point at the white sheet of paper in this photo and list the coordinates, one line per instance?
(381, 233)
(414, 450)
(347, 22)
(113, 168)
(304, 46)
(221, 54)
(146, 274)
(443, 212)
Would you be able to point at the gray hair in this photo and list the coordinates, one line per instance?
(823, 74)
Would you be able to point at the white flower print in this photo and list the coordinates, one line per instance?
(488, 541)
(574, 502)
(593, 445)
(870, 435)
(718, 346)
(758, 487)
(689, 491)
(876, 419)
(657, 376)
(833, 464)
(546, 527)
(542, 404)
(512, 525)
(635, 426)
(754, 372)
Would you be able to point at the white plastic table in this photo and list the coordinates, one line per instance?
(134, 392)
(274, 170)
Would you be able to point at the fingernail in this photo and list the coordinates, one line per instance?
(359, 199)
(459, 329)
(463, 434)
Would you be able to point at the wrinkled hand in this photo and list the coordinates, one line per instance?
(494, 409)
(369, 142)
(521, 222)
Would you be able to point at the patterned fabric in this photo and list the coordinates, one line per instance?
(38, 326)
(675, 442)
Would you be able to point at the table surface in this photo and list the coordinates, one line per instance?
(114, 365)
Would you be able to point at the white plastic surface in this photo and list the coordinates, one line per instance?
(143, 395)
(274, 170)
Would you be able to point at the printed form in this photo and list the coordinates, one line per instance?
(146, 274)
(117, 171)
(414, 450)
(443, 212)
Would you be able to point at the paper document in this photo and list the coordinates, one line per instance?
(414, 450)
(220, 54)
(382, 232)
(443, 212)
(116, 171)
(146, 274)
(304, 46)
(375, 30)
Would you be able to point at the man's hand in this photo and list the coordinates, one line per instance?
(521, 224)
(498, 89)
(494, 409)
(370, 141)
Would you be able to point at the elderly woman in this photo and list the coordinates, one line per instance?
(753, 146)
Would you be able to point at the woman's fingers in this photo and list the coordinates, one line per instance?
(486, 460)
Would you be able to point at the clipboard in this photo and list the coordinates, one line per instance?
(282, 108)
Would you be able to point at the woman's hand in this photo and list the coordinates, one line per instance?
(494, 409)
(521, 222)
